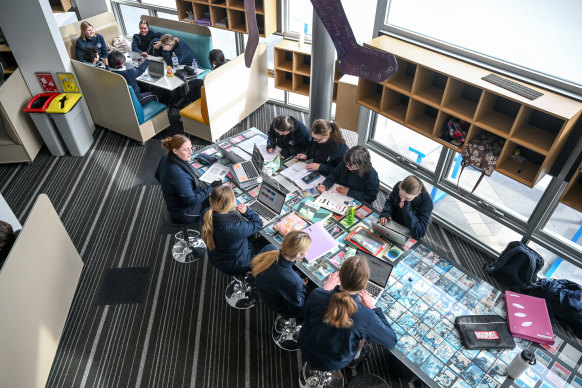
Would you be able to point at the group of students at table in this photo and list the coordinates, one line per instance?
(92, 49)
(338, 318)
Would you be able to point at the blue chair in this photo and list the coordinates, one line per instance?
(148, 111)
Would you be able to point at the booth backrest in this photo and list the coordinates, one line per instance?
(197, 37)
(104, 24)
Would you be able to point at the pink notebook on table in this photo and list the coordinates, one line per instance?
(528, 318)
(321, 241)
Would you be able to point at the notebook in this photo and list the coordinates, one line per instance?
(321, 241)
(528, 318)
(288, 223)
(311, 212)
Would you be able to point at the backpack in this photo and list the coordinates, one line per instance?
(481, 153)
(516, 267)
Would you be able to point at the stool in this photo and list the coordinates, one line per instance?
(367, 380)
(286, 333)
(189, 249)
(311, 377)
(241, 292)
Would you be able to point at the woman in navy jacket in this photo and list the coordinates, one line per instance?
(89, 37)
(326, 148)
(226, 233)
(340, 317)
(172, 45)
(144, 41)
(410, 205)
(356, 175)
(290, 134)
(117, 65)
(180, 187)
(279, 286)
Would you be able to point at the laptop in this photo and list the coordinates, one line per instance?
(269, 202)
(393, 231)
(528, 318)
(380, 271)
(155, 72)
(134, 56)
(247, 172)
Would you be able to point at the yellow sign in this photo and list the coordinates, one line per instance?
(68, 82)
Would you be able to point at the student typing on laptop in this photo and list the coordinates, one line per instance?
(409, 204)
(117, 65)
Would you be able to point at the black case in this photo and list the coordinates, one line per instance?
(484, 332)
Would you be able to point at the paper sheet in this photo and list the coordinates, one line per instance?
(216, 172)
(298, 171)
(261, 142)
(241, 153)
(334, 201)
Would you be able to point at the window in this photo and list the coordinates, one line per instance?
(131, 17)
(165, 15)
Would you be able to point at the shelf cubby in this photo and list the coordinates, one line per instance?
(429, 86)
(526, 172)
(221, 3)
(572, 196)
(497, 114)
(202, 11)
(404, 77)
(58, 6)
(369, 94)
(236, 4)
(537, 130)
(284, 80)
(394, 104)
(302, 63)
(283, 60)
(202, 1)
(218, 17)
(421, 117)
(237, 21)
(441, 131)
(461, 98)
(184, 9)
(301, 84)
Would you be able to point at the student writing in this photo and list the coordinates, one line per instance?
(326, 148)
(290, 134)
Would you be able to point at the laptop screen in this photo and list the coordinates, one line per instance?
(379, 269)
(258, 159)
(156, 68)
(271, 197)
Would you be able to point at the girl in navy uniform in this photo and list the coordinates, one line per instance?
(117, 65)
(89, 37)
(279, 286)
(290, 134)
(340, 317)
(143, 42)
(410, 205)
(327, 147)
(356, 174)
(226, 232)
(172, 45)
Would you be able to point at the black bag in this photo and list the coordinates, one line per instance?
(484, 332)
(517, 267)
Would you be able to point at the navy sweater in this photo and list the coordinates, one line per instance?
(97, 41)
(281, 289)
(141, 43)
(131, 75)
(182, 51)
(233, 252)
(328, 154)
(415, 215)
(361, 188)
(292, 144)
(330, 348)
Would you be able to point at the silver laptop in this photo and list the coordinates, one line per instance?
(380, 271)
(269, 202)
(134, 55)
(155, 72)
(247, 172)
(393, 231)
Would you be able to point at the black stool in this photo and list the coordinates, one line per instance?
(367, 380)
(312, 377)
(189, 247)
(241, 292)
(285, 333)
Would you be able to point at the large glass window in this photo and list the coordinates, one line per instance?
(131, 17)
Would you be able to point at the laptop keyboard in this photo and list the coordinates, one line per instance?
(250, 170)
(373, 290)
(263, 211)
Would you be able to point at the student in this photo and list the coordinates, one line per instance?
(143, 42)
(327, 147)
(226, 233)
(89, 37)
(279, 286)
(410, 205)
(216, 58)
(172, 45)
(117, 65)
(181, 189)
(340, 317)
(290, 134)
(7, 238)
(356, 174)
(91, 56)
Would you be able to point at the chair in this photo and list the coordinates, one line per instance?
(285, 333)
(367, 380)
(147, 111)
(185, 250)
(241, 292)
(312, 377)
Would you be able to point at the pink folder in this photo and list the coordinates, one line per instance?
(321, 241)
(528, 318)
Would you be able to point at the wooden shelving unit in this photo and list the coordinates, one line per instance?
(290, 58)
(60, 5)
(229, 14)
(430, 88)
(572, 196)
(7, 60)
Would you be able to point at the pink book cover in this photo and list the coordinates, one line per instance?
(528, 318)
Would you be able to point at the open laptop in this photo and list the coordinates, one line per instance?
(380, 271)
(269, 202)
(247, 172)
(155, 72)
(393, 231)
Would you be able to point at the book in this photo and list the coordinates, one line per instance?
(334, 201)
(528, 318)
(321, 241)
(365, 240)
(309, 211)
(288, 223)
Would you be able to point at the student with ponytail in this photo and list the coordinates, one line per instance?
(226, 232)
(409, 204)
(279, 286)
(340, 317)
(327, 147)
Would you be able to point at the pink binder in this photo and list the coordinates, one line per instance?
(321, 241)
(528, 318)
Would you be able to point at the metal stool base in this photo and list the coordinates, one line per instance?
(310, 377)
(189, 252)
(285, 333)
(240, 295)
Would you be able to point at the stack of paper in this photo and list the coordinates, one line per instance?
(261, 143)
(334, 201)
(298, 171)
(216, 172)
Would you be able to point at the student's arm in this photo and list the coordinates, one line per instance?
(272, 137)
(389, 206)
(252, 226)
(185, 189)
(167, 55)
(370, 193)
(79, 50)
(301, 140)
(104, 51)
(380, 332)
(333, 176)
(295, 297)
(417, 223)
(137, 71)
(336, 156)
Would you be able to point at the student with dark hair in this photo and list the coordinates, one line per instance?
(409, 204)
(172, 45)
(340, 318)
(326, 148)
(117, 65)
(356, 174)
(7, 238)
(216, 58)
(91, 56)
(143, 42)
(290, 134)
(227, 234)
(89, 37)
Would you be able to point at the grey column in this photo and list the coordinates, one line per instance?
(87, 8)
(322, 70)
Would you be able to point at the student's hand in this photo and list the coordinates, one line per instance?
(105, 61)
(312, 166)
(384, 220)
(158, 44)
(341, 190)
(270, 150)
(301, 156)
(166, 47)
(366, 299)
(332, 281)
(321, 188)
(242, 208)
(305, 281)
(402, 203)
(144, 54)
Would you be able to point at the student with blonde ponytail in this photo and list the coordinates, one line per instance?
(226, 233)
(340, 317)
(279, 286)
(326, 148)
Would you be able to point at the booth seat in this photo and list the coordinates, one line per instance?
(148, 111)
(104, 24)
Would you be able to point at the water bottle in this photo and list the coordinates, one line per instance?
(406, 288)
(194, 64)
(521, 363)
(175, 61)
(350, 215)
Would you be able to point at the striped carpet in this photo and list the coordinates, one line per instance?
(184, 334)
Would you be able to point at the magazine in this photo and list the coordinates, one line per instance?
(365, 240)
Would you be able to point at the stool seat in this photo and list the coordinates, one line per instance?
(241, 292)
(311, 377)
(367, 380)
(189, 247)
(285, 333)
